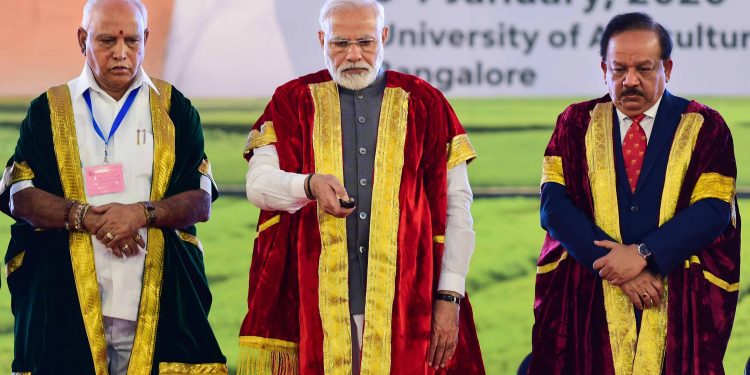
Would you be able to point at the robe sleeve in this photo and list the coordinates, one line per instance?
(191, 162)
(711, 206)
(560, 217)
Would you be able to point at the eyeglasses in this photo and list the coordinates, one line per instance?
(365, 45)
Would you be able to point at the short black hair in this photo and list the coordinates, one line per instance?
(635, 21)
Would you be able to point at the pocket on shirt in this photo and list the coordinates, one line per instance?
(144, 157)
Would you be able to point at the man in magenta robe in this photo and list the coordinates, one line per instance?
(639, 270)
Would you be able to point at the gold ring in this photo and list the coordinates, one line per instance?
(125, 247)
(644, 295)
(110, 236)
(137, 237)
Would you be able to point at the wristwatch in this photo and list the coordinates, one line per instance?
(644, 251)
(150, 212)
(448, 297)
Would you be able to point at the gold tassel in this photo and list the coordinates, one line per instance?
(264, 356)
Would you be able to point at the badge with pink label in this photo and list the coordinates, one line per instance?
(104, 179)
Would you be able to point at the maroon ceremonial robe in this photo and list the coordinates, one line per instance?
(583, 324)
(298, 317)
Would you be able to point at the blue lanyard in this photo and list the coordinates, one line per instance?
(118, 120)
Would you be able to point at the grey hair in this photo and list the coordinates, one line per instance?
(332, 6)
(86, 21)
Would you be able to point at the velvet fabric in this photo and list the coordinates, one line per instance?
(283, 288)
(50, 337)
(570, 334)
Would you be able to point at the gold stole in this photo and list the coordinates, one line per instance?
(633, 353)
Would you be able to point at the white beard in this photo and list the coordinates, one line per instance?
(354, 81)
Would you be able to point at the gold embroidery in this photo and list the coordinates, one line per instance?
(166, 368)
(333, 269)
(14, 263)
(552, 170)
(205, 168)
(714, 185)
(460, 150)
(384, 223)
(601, 171)
(549, 267)
(164, 157)
(438, 239)
(189, 238)
(265, 136)
(20, 172)
(259, 355)
(268, 223)
(652, 340)
(81, 248)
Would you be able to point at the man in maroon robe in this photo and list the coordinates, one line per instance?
(639, 271)
(373, 292)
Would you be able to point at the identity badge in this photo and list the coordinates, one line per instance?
(104, 179)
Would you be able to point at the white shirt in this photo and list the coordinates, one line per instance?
(647, 123)
(120, 279)
(272, 189)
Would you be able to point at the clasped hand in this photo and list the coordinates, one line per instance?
(624, 267)
(116, 226)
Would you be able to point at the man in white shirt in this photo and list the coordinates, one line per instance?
(108, 179)
(343, 285)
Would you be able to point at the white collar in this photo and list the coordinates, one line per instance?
(650, 113)
(87, 81)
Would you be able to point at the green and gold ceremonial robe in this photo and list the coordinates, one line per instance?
(51, 274)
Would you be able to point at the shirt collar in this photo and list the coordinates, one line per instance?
(650, 113)
(87, 81)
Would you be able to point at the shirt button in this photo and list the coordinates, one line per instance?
(361, 119)
(634, 208)
(363, 182)
(360, 96)
(362, 150)
(363, 215)
(362, 249)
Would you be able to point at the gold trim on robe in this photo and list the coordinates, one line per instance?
(601, 172)
(20, 172)
(438, 239)
(264, 137)
(14, 264)
(260, 355)
(384, 225)
(267, 224)
(189, 238)
(167, 368)
(141, 358)
(552, 170)
(642, 354)
(713, 279)
(549, 267)
(333, 268)
(81, 248)
(460, 150)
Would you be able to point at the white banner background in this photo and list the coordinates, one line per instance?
(464, 47)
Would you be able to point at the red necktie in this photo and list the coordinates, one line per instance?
(633, 149)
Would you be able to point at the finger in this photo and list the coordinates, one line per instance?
(139, 240)
(100, 209)
(637, 300)
(599, 263)
(116, 252)
(439, 350)
(338, 189)
(656, 283)
(130, 247)
(450, 345)
(605, 244)
(654, 295)
(433, 347)
(606, 273)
